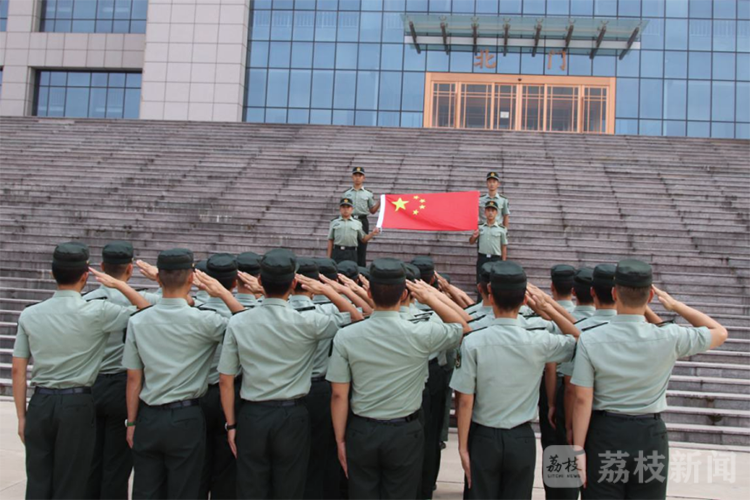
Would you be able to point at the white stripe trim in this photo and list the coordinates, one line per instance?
(381, 215)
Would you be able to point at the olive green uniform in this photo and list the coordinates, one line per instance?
(501, 365)
(628, 363)
(113, 460)
(275, 347)
(492, 239)
(363, 200)
(66, 336)
(503, 207)
(173, 344)
(346, 235)
(385, 360)
(582, 312)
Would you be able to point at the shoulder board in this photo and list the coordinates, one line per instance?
(535, 329)
(579, 321)
(204, 308)
(32, 305)
(592, 327)
(306, 308)
(477, 318)
(140, 311)
(533, 315)
(665, 323)
(501, 196)
(142, 289)
(352, 323)
(247, 308)
(418, 320)
(477, 330)
(93, 298)
(335, 218)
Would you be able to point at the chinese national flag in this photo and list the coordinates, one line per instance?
(430, 211)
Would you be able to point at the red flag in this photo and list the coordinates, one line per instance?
(430, 211)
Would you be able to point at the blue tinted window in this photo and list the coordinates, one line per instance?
(393, 28)
(280, 54)
(437, 60)
(298, 116)
(461, 62)
(700, 34)
(261, 29)
(510, 63)
(722, 101)
(413, 92)
(346, 56)
(348, 27)
(369, 56)
(699, 65)
(605, 7)
(677, 8)
(304, 25)
(325, 26)
(649, 127)
(413, 120)
(255, 115)
(256, 94)
(723, 66)
(725, 9)
(675, 99)
(275, 115)
(700, 8)
(342, 117)
(653, 8)
(743, 102)
(699, 100)
(322, 89)
(302, 55)
(678, 129)
(743, 67)
(299, 89)
(652, 64)
(512, 6)
(630, 9)
(651, 102)
(724, 35)
(344, 91)
(390, 91)
(367, 90)
(581, 7)
(281, 25)
(83, 94)
(414, 61)
(366, 118)
(722, 130)
(579, 64)
(743, 36)
(321, 116)
(698, 129)
(743, 9)
(742, 131)
(3, 15)
(259, 54)
(391, 56)
(370, 27)
(675, 34)
(488, 6)
(388, 119)
(372, 5)
(627, 98)
(324, 55)
(278, 87)
(628, 65)
(531, 6)
(653, 35)
(532, 65)
(628, 127)
(604, 66)
(675, 64)
(92, 16)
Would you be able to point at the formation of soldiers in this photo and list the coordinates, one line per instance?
(295, 377)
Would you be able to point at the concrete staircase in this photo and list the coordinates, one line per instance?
(681, 204)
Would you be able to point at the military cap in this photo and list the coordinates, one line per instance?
(562, 272)
(346, 201)
(363, 271)
(412, 272)
(278, 266)
(635, 273)
(584, 276)
(117, 252)
(485, 272)
(358, 170)
(387, 271)
(604, 275)
(249, 262)
(426, 266)
(308, 267)
(493, 175)
(222, 266)
(349, 268)
(328, 268)
(491, 204)
(71, 255)
(175, 259)
(202, 265)
(507, 275)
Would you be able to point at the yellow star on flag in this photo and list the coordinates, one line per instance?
(416, 212)
(416, 197)
(421, 201)
(421, 207)
(400, 204)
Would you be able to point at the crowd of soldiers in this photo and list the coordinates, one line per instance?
(295, 377)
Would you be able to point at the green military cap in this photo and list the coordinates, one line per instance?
(491, 204)
(249, 262)
(222, 266)
(278, 266)
(358, 170)
(349, 268)
(507, 275)
(493, 175)
(412, 272)
(387, 271)
(584, 276)
(485, 272)
(71, 255)
(117, 252)
(202, 265)
(175, 259)
(308, 267)
(346, 201)
(562, 272)
(363, 271)
(632, 272)
(328, 268)
(426, 266)
(604, 275)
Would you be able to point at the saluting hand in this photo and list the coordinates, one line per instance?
(365, 282)
(420, 290)
(146, 269)
(666, 300)
(311, 285)
(209, 284)
(250, 282)
(104, 279)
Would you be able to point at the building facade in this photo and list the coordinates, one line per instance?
(649, 67)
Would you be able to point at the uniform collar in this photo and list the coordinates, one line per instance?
(301, 300)
(488, 195)
(213, 301)
(605, 313)
(385, 314)
(566, 303)
(505, 321)
(65, 294)
(245, 296)
(274, 302)
(171, 303)
(496, 223)
(585, 308)
(357, 189)
(629, 318)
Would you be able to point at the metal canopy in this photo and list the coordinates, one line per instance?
(576, 34)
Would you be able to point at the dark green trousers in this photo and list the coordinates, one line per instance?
(548, 436)
(348, 253)
(362, 247)
(113, 460)
(433, 409)
(502, 462)
(619, 447)
(60, 434)
(561, 439)
(168, 451)
(323, 469)
(384, 460)
(219, 466)
(482, 259)
(273, 448)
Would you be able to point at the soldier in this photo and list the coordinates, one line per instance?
(621, 372)
(67, 337)
(503, 207)
(345, 234)
(248, 262)
(562, 277)
(384, 361)
(113, 460)
(275, 347)
(349, 268)
(491, 238)
(201, 296)
(364, 205)
(168, 354)
(582, 290)
(497, 383)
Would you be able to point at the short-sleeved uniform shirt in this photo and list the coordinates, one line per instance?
(568, 305)
(246, 299)
(345, 232)
(628, 362)
(66, 336)
(582, 312)
(502, 364)
(362, 199)
(385, 360)
(173, 344)
(600, 318)
(217, 305)
(112, 362)
(492, 239)
(275, 347)
(503, 207)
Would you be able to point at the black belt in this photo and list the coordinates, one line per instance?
(62, 392)
(650, 416)
(489, 256)
(277, 403)
(433, 361)
(176, 405)
(401, 420)
(321, 378)
(345, 248)
(114, 375)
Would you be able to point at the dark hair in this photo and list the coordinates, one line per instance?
(175, 278)
(387, 295)
(631, 296)
(507, 300)
(66, 276)
(275, 289)
(228, 283)
(583, 293)
(604, 294)
(563, 286)
(114, 270)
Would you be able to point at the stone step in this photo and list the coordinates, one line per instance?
(709, 384)
(719, 400)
